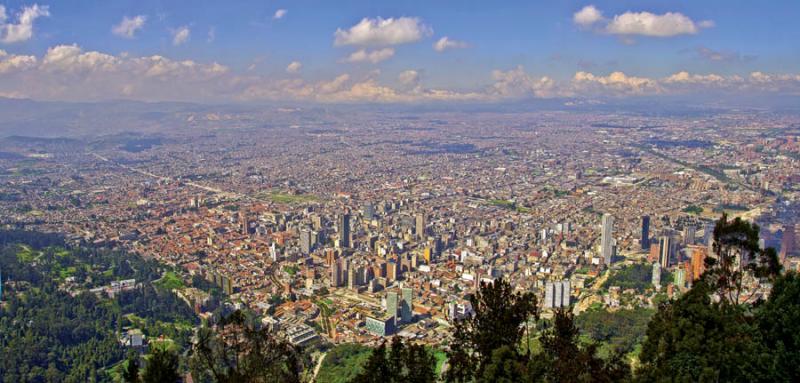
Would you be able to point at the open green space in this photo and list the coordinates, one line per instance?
(343, 363)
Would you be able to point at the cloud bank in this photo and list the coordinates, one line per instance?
(69, 73)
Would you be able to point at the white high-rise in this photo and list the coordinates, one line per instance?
(607, 239)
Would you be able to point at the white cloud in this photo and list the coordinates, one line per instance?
(587, 16)
(129, 25)
(616, 83)
(180, 35)
(382, 32)
(294, 67)
(279, 14)
(12, 63)
(649, 24)
(408, 78)
(446, 43)
(638, 23)
(374, 56)
(516, 83)
(23, 29)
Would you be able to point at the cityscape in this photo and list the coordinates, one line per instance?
(339, 225)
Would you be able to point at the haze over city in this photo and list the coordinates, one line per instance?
(365, 191)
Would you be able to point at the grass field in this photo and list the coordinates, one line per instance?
(288, 199)
(170, 281)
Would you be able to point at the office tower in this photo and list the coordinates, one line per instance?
(391, 304)
(369, 212)
(645, 241)
(708, 234)
(407, 304)
(335, 281)
(656, 278)
(305, 241)
(665, 251)
(787, 242)
(689, 235)
(352, 282)
(344, 230)
(557, 292)
(391, 271)
(420, 225)
(607, 239)
(698, 261)
(566, 290)
(679, 277)
(245, 222)
(549, 293)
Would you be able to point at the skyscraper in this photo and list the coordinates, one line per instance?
(305, 241)
(344, 230)
(645, 241)
(665, 251)
(391, 304)
(407, 304)
(607, 238)
(656, 278)
(335, 281)
(689, 234)
(420, 225)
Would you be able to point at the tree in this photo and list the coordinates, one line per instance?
(411, 363)
(162, 366)
(376, 369)
(779, 323)
(131, 372)
(695, 339)
(498, 321)
(236, 352)
(565, 360)
(737, 253)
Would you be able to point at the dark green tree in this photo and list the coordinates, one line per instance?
(376, 369)
(131, 372)
(564, 359)
(499, 320)
(779, 322)
(405, 362)
(162, 366)
(237, 352)
(694, 339)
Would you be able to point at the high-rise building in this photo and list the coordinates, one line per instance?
(557, 294)
(788, 242)
(344, 230)
(665, 251)
(656, 278)
(391, 304)
(352, 280)
(306, 242)
(566, 293)
(407, 304)
(607, 239)
(689, 234)
(420, 226)
(645, 241)
(549, 295)
(335, 273)
(698, 261)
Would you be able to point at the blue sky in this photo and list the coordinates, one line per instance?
(731, 39)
